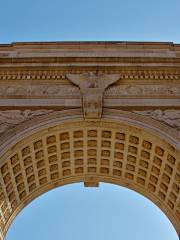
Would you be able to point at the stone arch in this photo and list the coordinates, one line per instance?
(63, 148)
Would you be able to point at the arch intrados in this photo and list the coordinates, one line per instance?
(11, 137)
(30, 135)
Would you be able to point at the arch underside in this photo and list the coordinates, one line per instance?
(91, 152)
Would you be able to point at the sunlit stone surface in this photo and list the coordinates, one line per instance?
(117, 122)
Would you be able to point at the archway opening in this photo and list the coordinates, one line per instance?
(108, 212)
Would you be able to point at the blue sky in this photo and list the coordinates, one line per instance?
(113, 212)
(109, 212)
(75, 20)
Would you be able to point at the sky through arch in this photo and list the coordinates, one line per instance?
(108, 212)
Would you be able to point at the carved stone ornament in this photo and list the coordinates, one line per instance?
(170, 117)
(92, 86)
(11, 118)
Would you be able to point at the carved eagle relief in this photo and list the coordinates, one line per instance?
(92, 86)
(93, 80)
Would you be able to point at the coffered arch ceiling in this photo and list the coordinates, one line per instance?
(63, 148)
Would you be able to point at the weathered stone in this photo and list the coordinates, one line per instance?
(119, 124)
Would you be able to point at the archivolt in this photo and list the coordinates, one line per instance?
(74, 150)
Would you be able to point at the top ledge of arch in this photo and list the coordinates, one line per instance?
(90, 49)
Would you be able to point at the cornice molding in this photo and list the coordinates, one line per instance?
(141, 74)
